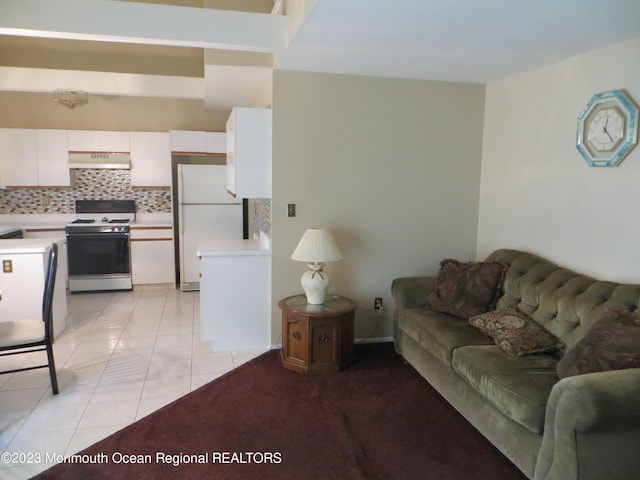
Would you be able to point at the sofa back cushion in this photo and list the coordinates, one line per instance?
(564, 302)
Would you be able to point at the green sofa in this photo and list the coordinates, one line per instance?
(581, 427)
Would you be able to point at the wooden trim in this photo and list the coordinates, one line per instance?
(96, 152)
(50, 187)
(151, 187)
(151, 239)
(34, 230)
(199, 154)
(134, 227)
(231, 193)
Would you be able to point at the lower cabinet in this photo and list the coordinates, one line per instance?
(21, 282)
(235, 299)
(152, 255)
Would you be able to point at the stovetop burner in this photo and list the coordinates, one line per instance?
(97, 212)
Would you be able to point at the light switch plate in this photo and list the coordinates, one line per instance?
(291, 210)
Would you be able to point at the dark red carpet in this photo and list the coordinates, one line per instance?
(376, 420)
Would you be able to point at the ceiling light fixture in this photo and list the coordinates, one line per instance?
(70, 98)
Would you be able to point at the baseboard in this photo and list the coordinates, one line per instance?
(373, 340)
(356, 341)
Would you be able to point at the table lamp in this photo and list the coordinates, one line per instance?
(316, 247)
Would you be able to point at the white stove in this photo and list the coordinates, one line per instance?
(98, 245)
(102, 212)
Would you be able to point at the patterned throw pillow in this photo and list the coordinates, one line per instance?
(516, 333)
(613, 343)
(467, 289)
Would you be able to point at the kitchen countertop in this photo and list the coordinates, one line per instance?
(227, 248)
(151, 224)
(13, 246)
(58, 221)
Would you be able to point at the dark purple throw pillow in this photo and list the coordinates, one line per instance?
(613, 343)
(465, 289)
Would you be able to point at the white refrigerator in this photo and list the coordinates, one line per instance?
(205, 212)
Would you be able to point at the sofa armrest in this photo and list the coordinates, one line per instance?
(411, 292)
(408, 292)
(592, 428)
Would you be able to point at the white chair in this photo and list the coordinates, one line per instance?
(34, 335)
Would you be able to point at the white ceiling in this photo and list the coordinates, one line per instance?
(455, 40)
(450, 40)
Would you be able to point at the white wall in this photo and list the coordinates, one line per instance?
(537, 192)
(391, 166)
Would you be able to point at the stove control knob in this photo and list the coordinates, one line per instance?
(105, 219)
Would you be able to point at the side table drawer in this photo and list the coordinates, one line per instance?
(324, 343)
(297, 334)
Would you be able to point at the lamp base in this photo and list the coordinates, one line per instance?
(315, 283)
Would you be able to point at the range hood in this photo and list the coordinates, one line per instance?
(99, 160)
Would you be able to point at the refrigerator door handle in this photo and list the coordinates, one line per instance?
(180, 185)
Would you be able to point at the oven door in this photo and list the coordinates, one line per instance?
(99, 261)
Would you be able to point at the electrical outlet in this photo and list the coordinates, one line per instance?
(7, 266)
(377, 303)
(291, 210)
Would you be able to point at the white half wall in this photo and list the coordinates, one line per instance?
(537, 192)
(390, 166)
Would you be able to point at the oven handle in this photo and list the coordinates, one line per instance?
(99, 234)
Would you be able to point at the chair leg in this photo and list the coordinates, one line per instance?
(52, 370)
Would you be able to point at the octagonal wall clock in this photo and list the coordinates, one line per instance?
(607, 129)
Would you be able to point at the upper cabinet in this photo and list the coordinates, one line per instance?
(249, 153)
(197, 142)
(217, 142)
(150, 159)
(53, 152)
(33, 158)
(98, 141)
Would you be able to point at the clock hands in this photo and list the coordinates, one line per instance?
(604, 129)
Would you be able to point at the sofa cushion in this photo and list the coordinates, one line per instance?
(466, 289)
(515, 332)
(439, 333)
(613, 343)
(518, 387)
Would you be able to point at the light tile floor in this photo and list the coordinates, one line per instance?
(122, 356)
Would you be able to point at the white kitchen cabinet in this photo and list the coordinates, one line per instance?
(33, 158)
(18, 157)
(249, 153)
(22, 286)
(198, 142)
(150, 159)
(98, 141)
(235, 294)
(52, 153)
(216, 142)
(152, 255)
(188, 141)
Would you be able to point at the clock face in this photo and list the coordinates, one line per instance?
(607, 129)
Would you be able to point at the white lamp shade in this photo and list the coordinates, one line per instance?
(317, 246)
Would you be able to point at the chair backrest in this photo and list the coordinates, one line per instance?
(49, 284)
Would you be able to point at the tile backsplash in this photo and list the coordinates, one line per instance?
(86, 184)
(262, 215)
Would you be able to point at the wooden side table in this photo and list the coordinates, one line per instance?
(317, 338)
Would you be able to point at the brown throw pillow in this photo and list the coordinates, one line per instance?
(516, 333)
(613, 343)
(467, 289)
